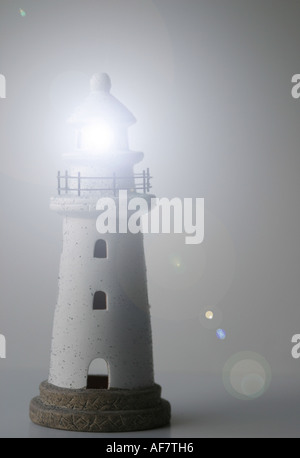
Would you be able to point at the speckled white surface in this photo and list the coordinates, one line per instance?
(121, 335)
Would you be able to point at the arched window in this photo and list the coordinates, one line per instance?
(100, 301)
(98, 375)
(100, 250)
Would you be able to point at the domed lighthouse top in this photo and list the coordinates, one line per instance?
(101, 120)
(101, 163)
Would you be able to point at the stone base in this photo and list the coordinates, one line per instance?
(100, 410)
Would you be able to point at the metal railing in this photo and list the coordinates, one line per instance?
(67, 183)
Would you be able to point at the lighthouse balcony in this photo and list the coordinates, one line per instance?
(78, 193)
(78, 185)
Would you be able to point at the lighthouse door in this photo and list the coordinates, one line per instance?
(98, 375)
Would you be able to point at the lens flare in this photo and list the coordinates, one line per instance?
(209, 315)
(211, 318)
(22, 13)
(221, 334)
(247, 375)
(177, 264)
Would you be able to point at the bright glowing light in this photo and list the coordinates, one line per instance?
(22, 12)
(221, 334)
(96, 137)
(209, 315)
(211, 318)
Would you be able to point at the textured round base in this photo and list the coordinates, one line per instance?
(100, 410)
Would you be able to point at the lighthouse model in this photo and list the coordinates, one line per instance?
(102, 313)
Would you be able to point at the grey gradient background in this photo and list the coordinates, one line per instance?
(210, 84)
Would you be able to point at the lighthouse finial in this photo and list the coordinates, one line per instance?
(100, 82)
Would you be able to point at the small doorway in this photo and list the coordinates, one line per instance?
(97, 375)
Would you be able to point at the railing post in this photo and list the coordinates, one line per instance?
(148, 180)
(79, 188)
(58, 182)
(67, 182)
(144, 181)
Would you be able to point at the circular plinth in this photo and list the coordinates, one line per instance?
(100, 410)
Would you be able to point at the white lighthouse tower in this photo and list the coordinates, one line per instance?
(102, 313)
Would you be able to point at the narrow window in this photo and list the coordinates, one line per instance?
(100, 250)
(98, 375)
(100, 301)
